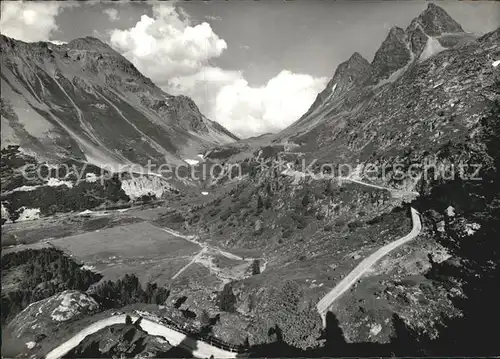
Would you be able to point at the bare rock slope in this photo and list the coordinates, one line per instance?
(85, 101)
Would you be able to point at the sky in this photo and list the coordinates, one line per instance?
(253, 66)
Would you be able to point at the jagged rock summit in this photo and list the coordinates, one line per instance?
(358, 85)
(435, 21)
(433, 30)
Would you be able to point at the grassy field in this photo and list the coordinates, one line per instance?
(68, 224)
(140, 248)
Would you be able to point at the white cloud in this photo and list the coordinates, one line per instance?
(175, 54)
(250, 111)
(164, 46)
(226, 97)
(203, 86)
(29, 21)
(112, 14)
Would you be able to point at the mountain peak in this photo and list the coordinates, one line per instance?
(123, 116)
(396, 31)
(435, 21)
(357, 59)
(89, 43)
(392, 55)
(354, 70)
(432, 6)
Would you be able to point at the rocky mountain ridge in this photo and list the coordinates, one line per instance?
(83, 100)
(357, 82)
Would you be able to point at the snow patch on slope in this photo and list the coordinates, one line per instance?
(328, 99)
(23, 189)
(29, 214)
(192, 162)
(432, 47)
(55, 182)
(5, 213)
(90, 177)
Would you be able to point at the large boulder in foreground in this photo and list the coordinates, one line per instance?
(40, 317)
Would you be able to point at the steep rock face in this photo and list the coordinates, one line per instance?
(85, 101)
(417, 39)
(435, 21)
(403, 46)
(337, 95)
(349, 74)
(145, 186)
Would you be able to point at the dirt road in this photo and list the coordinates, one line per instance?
(365, 264)
(198, 348)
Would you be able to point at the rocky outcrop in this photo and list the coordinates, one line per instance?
(125, 340)
(435, 21)
(349, 74)
(139, 186)
(40, 317)
(393, 54)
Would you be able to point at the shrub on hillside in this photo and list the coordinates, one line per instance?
(227, 299)
(255, 267)
(299, 325)
(128, 290)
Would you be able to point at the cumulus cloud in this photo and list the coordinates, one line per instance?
(176, 54)
(226, 97)
(112, 14)
(164, 46)
(250, 111)
(29, 21)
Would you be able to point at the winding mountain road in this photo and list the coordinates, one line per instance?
(392, 190)
(349, 280)
(198, 348)
(365, 264)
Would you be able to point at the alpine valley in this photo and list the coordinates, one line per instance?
(292, 257)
